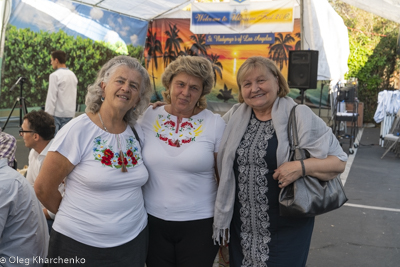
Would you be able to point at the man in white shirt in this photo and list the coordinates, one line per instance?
(61, 96)
(37, 131)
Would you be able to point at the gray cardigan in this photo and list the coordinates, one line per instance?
(314, 135)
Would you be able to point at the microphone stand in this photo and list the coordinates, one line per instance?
(20, 100)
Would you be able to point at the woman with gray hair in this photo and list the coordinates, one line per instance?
(101, 220)
(182, 141)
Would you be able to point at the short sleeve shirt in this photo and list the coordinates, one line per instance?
(102, 206)
(180, 160)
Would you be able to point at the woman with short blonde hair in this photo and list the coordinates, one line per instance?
(182, 141)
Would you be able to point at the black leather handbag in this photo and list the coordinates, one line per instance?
(308, 196)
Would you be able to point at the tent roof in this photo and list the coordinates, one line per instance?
(139, 9)
(388, 9)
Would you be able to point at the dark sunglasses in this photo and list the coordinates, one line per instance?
(22, 131)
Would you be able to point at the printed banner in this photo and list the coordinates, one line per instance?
(245, 17)
(252, 38)
(226, 59)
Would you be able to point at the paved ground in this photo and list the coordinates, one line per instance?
(364, 232)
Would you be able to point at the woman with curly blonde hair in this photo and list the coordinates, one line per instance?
(182, 141)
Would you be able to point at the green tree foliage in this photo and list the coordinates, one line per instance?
(27, 54)
(373, 59)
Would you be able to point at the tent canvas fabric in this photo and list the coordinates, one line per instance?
(388, 9)
(145, 10)
(324, 30)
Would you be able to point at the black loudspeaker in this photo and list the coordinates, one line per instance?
(303, 69)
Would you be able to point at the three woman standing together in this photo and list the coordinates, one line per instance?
(107, 157)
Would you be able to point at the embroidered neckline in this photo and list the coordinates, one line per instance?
(176, 135)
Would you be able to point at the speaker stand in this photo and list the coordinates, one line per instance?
(302, 95)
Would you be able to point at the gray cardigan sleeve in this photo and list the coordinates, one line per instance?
(316, 136)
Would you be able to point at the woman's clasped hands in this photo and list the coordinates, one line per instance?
(287, 173)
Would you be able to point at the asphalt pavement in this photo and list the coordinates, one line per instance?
(366, 230)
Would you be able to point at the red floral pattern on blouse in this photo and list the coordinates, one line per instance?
(108, 157)
(174, 134)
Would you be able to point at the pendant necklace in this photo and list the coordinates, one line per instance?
(102, 122)
(121, 154)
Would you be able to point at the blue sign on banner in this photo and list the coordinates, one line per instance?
(253, 38)
(210, 18)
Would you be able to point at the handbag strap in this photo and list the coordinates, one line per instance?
(292, 130)
(136, 135)
(294, 140)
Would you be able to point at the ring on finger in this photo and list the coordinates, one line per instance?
(280, 182)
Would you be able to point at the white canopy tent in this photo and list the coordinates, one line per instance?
(388, 9)
(323, 28)
(139, 9)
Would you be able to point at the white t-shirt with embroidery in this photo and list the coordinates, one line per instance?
(102, 206)
(180, 161)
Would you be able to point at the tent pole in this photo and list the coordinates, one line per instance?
(302, 24)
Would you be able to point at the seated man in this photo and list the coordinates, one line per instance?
(8, 146)
(37, 130)
(23, 231)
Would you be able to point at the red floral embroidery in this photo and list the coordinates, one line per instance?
(170, 123)
(163, 138)
(177, 134)
(112, 159)
(186, 124)
(106, 160)
(171, 143)
(108, 154)
(120, 161)
(186, 141)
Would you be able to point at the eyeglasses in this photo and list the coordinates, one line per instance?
(21, 131)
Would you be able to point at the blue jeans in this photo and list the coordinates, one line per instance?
(60, 122)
